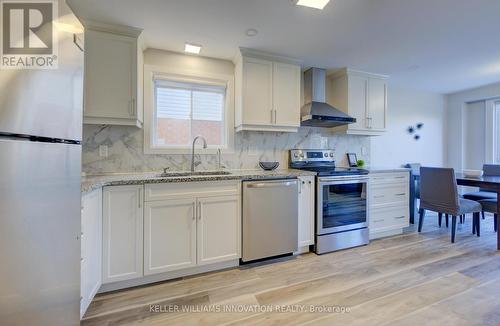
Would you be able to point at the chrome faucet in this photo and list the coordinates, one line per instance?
(193, 164)
(219, 160)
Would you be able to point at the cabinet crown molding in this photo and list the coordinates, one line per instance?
(349, 71)
(112, 28)
(257, 54)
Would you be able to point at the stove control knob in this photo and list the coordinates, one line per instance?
(331, 154)
(295, 155)
(302, 155)
(326, 154)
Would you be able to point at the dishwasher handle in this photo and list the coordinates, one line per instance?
(271, 184)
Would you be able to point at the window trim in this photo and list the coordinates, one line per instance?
(153, 73)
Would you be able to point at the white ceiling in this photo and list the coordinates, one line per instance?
(435, 45)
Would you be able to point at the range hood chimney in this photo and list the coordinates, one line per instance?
(316, 112)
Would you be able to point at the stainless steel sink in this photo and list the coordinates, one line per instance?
(194, 174)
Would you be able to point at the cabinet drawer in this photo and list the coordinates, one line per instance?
(390, 217)
(182, 190)
(388, 178)
(389, 194)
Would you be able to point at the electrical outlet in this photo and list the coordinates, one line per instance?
(103, 151)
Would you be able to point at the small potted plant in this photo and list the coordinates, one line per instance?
(361, 163)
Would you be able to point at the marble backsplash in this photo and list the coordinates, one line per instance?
(125, 150)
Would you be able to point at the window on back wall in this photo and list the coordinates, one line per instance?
(184, 110)
(496, 141)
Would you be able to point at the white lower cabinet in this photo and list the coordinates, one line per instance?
(190, 225)
(219, 229)
(91, 248)
(122, 233)
(169, 235)
(389, 203)
(306, 210)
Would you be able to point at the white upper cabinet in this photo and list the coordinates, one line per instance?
(267, 93)
(363, 96)
(286, 94)
(357, 101)
(258, 79)
(113, 75)
(377, 99)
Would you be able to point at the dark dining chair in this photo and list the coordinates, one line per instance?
(438, 193)
(490, 206)
(488, 169)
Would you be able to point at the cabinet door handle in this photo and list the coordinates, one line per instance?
(272, 115)
(366, 104)
(131, 108)
(275, 117)
(402, 194)
(400, 217)
(199, 211)
(140, 197)
(369, 120)
(194, 211)
(300, 186)
(378, 221)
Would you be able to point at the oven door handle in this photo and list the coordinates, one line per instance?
(339, 181)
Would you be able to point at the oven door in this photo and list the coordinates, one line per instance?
(341, 204)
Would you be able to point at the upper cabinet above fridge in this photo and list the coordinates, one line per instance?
(268, 94)
(113, 75)
(362, 96)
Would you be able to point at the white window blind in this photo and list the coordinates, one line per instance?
(497, 132)
(176, 100)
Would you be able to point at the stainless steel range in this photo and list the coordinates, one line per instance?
(341, 200)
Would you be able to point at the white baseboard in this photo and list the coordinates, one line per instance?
(384, 234)
(167, 276)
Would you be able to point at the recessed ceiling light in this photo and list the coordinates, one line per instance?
(251, 32)
(317, 4)
(192, 48)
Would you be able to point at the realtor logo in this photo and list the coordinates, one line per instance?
(28, 36)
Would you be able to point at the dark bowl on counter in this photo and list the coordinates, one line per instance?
(269, 166)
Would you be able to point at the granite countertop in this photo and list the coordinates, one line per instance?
(92, 182)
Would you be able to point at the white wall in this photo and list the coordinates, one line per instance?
(407, 108)
(456, 117)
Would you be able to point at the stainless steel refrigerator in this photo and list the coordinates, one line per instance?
(40, 167)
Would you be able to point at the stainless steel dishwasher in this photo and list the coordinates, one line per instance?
(270, 218)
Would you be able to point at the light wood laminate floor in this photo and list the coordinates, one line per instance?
(410, 279)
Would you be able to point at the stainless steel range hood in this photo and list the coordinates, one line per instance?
(316, 112)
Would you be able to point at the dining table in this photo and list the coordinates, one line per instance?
(490, 182)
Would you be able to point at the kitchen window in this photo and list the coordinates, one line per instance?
(492, 132)
(182, 105)
(186, 110)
